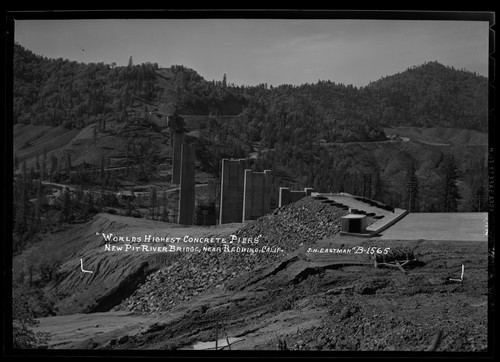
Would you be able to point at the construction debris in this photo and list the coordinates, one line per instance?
(395, 258)
(288, 227)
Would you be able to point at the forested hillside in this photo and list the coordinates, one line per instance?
(62, 92)
(324, 134)
(431, 95)
(97, 139)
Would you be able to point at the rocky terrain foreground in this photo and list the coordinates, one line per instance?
(298, 298)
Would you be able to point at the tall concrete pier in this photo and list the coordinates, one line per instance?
(231, 190)
(256, 194)
(187, 181)
(177, 142)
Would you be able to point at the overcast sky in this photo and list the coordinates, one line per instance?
(275, 51)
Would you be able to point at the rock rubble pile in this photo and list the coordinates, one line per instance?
(281, 232)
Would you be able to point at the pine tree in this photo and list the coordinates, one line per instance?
(129, 206)
(60, 219)
(123, 115)
(89, 204)
(102, 174)
(411, 190)
(479, 201)
(32, 175)
(21, 203)
(165, 214)
(37, 164)
(449, 173)
(100, 202)
(44, 164)
(153, 200)
(127, 170)
(66, 206)
(68, 163)
(53, 166)
(24, 173)
(378, 187)
(40, 202)
(165, 211)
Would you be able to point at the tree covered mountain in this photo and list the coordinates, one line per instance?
(323, 135)
(432, 95)
(61, 92)
(72, 94)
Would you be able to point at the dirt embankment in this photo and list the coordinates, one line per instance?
(312, 302)
(115, 274)
(282, 232)
(304, 300)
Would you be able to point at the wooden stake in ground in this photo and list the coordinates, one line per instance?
(435, 341)
(461, 276)
(227, 338)
(216, 334)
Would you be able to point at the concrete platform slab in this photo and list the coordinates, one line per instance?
(387, 221)
(468, 226)
(351, 202)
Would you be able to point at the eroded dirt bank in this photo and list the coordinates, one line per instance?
(310, 301)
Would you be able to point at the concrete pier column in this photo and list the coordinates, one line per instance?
(178, 141)
(231, 190)
(187, 189)
(257, 194)
(267, 191)
(284, 196)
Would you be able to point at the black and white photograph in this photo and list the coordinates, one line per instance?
(210, 183)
